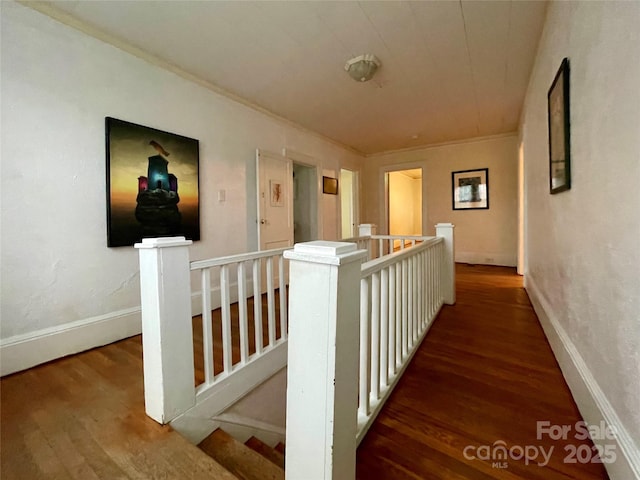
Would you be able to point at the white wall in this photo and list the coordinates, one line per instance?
(482, 236)
(58, 276)
(583, 259)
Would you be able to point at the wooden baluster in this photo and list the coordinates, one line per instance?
(225, 307)
(405, 309)
(375, 336)
(207, 326)
(271, 307)
(257, 304)
(242, 314)
(398, 315)
(384, 327)
(282, 289)
(364, 347)
(391, 367)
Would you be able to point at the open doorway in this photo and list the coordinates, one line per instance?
(305, 203)
(404, 202)
(348, 203)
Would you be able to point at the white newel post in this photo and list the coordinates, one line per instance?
(448, 273)
(366, 229)
(167, 338)
(322, 375)
(369, 230)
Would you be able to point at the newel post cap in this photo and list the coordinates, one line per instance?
(163, 242)
(324, 252)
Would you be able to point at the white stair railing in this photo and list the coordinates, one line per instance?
(400, 295)
(240, 277)
(335, 390)
(171, 393)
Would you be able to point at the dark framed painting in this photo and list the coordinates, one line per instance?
(152, 184)
(470, 189)
(330, 185)
(559, 131)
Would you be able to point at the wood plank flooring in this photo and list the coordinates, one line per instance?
(484, 374)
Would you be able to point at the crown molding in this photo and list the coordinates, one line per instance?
(443, 144)
(48, 9)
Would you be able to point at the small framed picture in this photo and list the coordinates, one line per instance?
(559, 135)
(330, 185)
(470, 189)
(277, 193)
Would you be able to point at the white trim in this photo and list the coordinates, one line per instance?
(27, 350)
(199, 422)
(315, 163)
(20, 352)
(591, 400)
(383, 218)
(69, 20)
(442, 144)
(487, 258)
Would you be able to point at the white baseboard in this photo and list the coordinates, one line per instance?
(483, 258)
(591, 400)
(24, 351)
(28, 350)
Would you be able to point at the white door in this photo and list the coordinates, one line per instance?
(275, 200)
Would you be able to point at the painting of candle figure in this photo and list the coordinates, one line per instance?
(152, 184)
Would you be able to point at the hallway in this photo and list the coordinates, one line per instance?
(484, 374)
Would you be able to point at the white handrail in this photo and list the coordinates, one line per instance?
(399, 298)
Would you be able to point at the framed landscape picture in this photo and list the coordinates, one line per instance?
(152, 184)
(559, 131)
(470, 189)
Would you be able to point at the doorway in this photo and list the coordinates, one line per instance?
(404, 202)
(348, 203)
(305, 203)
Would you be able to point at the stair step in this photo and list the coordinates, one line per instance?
(279, 448)
(266, 451)
(239, 459)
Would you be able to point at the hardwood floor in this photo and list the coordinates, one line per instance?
(484, 374)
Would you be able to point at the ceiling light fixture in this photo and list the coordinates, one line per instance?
(362, 68)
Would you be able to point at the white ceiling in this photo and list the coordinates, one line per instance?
(450, 70)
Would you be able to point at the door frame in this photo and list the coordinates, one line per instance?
(384, 188)
(314, 163)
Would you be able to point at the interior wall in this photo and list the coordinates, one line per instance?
(58, 85)
(482, 236)
(582, 245)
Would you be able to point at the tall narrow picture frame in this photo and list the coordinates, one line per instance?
(559, 131)
(145, 167)
(470, 189)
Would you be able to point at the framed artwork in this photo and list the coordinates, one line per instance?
(152, 184)
(559, 131)
(277, 193)
(330, 185)
(470, 189)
